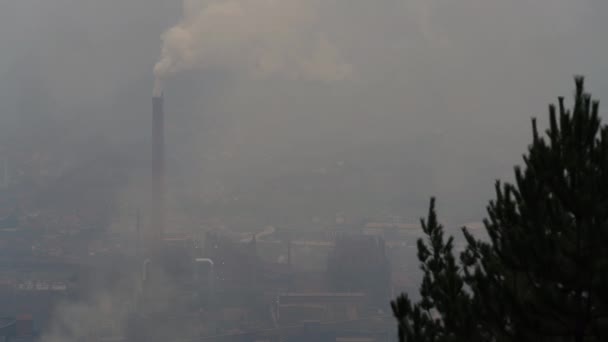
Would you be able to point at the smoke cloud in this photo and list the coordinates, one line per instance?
(75, 321)
(262, 38)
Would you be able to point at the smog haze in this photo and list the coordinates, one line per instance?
(298, 115)
(415, 98)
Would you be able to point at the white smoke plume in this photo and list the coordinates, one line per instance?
(105, 313)
(260, 38)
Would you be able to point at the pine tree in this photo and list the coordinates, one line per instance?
(444, 313)
(543, 273)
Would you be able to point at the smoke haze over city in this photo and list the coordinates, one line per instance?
(278, 114)
(430, 83)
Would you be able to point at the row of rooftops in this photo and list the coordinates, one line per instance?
(34, 285)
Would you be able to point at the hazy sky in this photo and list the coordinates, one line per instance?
(414, 97)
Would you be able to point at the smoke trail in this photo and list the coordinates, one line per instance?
(261, 38)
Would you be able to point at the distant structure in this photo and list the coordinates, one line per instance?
(359, 263)
(157, 224)
(238, 264)
(18, 329)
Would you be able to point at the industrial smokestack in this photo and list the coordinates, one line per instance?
(158, 166)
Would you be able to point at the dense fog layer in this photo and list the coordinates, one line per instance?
(299, 107)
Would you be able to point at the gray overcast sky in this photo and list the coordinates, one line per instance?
(437, 99)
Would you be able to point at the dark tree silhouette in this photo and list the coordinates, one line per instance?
(543, 273)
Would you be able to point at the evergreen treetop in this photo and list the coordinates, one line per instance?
(543, 273)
